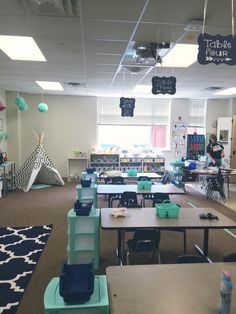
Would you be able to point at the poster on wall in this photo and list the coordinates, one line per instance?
(178, 138)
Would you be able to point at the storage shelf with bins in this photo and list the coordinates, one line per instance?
(104, 162)
(127, 163)
(154, 164)
(75, 165)
(83, 237)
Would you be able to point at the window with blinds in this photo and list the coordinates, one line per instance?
(148, 127)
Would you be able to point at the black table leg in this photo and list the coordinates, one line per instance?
(204, 252)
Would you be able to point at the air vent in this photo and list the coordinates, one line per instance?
(212, 89)
(73, 85)
(51, 7)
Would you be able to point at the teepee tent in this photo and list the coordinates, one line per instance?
(38, 168)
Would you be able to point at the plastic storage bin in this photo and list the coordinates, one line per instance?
(98, 303)
(89, 176)
(76, 283)
(144, 185)
(132, 173)
(167, 210)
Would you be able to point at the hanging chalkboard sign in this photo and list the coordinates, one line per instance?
(163, 85)
(127, 106)
(216, 49)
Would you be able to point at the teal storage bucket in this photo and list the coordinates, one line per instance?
(132, 172)
(167, 210)
(144, 185)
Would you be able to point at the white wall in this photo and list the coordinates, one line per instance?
(3, 144)
(179, 113)
(217, 108)
(69, 123)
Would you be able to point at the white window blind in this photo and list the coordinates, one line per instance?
(197, 112)
(147, 112)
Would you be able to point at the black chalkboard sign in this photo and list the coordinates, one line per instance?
(127, 106)
(163, 85)
(216, 49)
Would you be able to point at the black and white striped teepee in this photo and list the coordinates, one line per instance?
(38, 168)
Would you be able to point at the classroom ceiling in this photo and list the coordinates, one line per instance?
(89, 45)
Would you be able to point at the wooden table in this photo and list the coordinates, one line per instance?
(167, 289)
(147, 218)
(114, 189)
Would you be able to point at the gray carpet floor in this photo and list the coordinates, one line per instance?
(50, 205)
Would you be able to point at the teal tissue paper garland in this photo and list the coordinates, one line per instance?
(21, 104)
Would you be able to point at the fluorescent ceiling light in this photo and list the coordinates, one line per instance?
(142, 89)
(180, 56)
(50, 85)
(21, 48)
(228, 91)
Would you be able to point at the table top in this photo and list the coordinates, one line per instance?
(212, 171)
(150, 175)
(167, 289)
(119, 189)
(146, 218)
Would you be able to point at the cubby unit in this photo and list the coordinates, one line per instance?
(83, 237)
(75, 165)
(104, 162)
(154, 164)
(127, 163)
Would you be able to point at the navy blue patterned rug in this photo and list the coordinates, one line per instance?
(20, 250)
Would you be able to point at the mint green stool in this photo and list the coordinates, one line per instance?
(98, 303)
(87, 194)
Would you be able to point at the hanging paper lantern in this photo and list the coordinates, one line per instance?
(42, 107)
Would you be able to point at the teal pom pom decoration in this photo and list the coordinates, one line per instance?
(42, 107)
(19, 101)
(23, 107)
(21, 104)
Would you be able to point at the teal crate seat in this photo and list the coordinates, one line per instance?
(87, 176)
(98, 303)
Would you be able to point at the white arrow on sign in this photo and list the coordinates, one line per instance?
(217, 59)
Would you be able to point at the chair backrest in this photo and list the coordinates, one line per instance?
(117, 180)
(184, 259)
(230, 258)
(143, 178)
(165, 179)
(145, 240)
(129, 199)
(160, 198)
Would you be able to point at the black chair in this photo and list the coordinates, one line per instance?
(215, 184)
(115, 180)
(160, 198)
(185, 259)
(129, 200)
(230, 258)
(144, 240)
